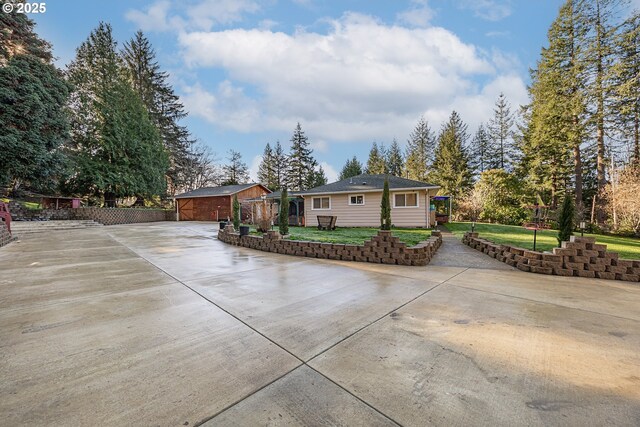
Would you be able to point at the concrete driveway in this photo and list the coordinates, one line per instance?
(161, 324)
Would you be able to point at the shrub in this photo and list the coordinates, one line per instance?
(283, 223)
(236, 212)
(385, 208)
(565, 219)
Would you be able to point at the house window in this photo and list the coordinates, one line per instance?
(405, 200)
(356, 199)
(320, 203)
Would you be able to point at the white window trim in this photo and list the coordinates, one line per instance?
(357, 204)
(405, 193)
(321, 197)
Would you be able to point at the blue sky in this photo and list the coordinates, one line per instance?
(351, 72)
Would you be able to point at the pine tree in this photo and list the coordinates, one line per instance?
(280, 166)
(267, 169)
(163, 105)
(420, 148)
(33, 94)
(395, 161)
(283, 217)
(451, 166)
(480, 151)
(565, 220)
(376, 163)
(319, 178)
(351, 168)
(235, 171)
(626, 85)
(385, 207)
(116, 148)
(500, 131)
(301, 171)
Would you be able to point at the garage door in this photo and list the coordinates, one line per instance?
(185, 207)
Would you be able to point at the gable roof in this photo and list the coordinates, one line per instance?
(368, 183)
(226, 190)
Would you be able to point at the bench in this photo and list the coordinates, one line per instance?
(327, 222)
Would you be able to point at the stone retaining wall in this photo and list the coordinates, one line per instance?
(581, 257)
(5, 236)
(381, 249)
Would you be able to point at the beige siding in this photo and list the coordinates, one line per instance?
(369, 214)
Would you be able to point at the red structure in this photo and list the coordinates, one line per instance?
(53, 202)
(5, 216)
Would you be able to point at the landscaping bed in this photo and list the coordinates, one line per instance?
(512, 235)
(353, 235)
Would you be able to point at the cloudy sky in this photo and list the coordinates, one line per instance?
(351, 72)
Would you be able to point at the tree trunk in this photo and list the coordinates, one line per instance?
(600, 167)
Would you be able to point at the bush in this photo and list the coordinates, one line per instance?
(236, 212)
(385, 208)
(283, 223)
(565, 219)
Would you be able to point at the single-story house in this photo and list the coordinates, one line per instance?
(356, 202)
(216, 203)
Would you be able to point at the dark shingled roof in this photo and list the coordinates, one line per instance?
(365, 183)
(226, 190)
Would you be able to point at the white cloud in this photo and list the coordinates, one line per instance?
(331, 174)
(254, 167)
(164, 15)
(419, 15)
(491, 10)
(361, 81)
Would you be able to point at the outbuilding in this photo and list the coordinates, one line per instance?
(215, 203)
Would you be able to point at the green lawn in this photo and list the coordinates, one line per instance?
(627, 247)
(355, 235)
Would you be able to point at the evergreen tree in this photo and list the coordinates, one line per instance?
(33, 94)
(376, 163)
(500, 132)
(626, 85)
(565, 220)
(116, 148)
(163, 105)
(319, 179)
(267, 169)
(451, 166)
(395, 161)
(237, 210)
(420, 151)
(480, 151)
(385, 207)
(235, 171)
(351, 168)
(283, 217)
(301, 171)
(280, 166)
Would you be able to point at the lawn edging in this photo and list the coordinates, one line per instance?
(580, 257)
(381, 249)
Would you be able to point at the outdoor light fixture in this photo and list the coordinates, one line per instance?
(583, 225)
(473, 226)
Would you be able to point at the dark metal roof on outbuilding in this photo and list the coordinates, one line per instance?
(226, 190)
(366, 183)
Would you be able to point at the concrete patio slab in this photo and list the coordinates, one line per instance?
(301, 398)
(161, 324)
(466, 357)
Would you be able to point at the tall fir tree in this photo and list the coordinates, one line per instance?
(267, 169)
(376, 163)
(116, 148)
(451, 165)
(235, 171)
(420, 151)
(33, 94)
(480, 158)
(626, 82)
(280, 166)
(301, 171)
(395, 160)
(319, 178)
(500, 132)
(163, 105)
(351, 168)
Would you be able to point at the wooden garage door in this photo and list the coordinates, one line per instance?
(185, 207)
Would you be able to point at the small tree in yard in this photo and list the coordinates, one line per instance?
(385, 208)
(236, 212)
(565, 220)
(283, 223)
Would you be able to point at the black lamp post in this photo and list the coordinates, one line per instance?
(583, 225)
